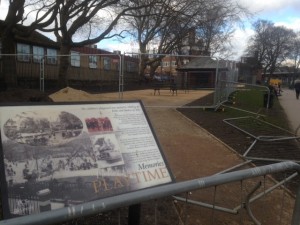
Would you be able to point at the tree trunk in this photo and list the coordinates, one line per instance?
(153, 67)
(152, 71)
(64, 62)
(142, 62)
(9, 76)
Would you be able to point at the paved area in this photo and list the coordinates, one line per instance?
(291, 107)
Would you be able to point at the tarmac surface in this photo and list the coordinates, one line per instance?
(291, 106)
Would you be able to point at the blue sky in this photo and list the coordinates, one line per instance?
(275, 10)
(281, 12)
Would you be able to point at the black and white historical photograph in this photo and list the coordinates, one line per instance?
(55, 158)
(106, 150)
(42, 128)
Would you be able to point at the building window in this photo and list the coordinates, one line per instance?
(75, 59)
(23, 52)
(116, 64)
(131, 67)
(51, 56)
(106, 63)
(38, 54)
(93, 61)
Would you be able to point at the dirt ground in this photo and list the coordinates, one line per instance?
(193, 150)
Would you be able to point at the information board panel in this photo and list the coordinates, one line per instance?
(61, 154)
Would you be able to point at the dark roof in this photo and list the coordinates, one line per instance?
(38, 39)
(201, 63)
(34, 38)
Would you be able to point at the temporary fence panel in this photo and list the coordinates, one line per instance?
(100, 70)
(116, 71)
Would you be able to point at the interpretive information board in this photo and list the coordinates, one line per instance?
(57, 155)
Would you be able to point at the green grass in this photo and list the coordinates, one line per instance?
(247, 102)
(251, 100)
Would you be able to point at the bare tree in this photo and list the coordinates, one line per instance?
(45, 12)
(174, 26)
(215, 26)
(97, 18)
(74, 16)
(159, 28)
(270, 44)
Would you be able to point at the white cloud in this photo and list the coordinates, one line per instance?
(291, 23)
(240, 41)
(124, 47)
(270, 5)
(3, 9)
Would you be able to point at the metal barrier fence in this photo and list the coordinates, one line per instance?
(225, 90)
(223, 178)
(114, 71)
(100, 70)
(224, 79)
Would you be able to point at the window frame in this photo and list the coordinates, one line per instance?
(106, 63)
(93, 61)
(39, 55)
(75, 59)
(131, 66)
(51, 56)
(23, 56)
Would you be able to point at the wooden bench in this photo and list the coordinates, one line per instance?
(165, 86)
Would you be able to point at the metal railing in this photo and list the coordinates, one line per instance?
(41, 72)
(225, 89)
(110, 203)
